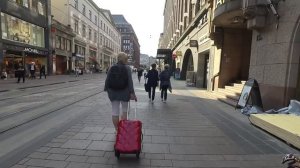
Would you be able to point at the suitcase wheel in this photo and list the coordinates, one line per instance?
(117, 154)
(137, 155)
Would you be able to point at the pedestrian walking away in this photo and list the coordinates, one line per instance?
(4, 74)
(145, 74)
(43, 72)
(152, 82)
(140, 74)
(165, 83)
(32, 70)
(20, 73)
(76, 71)
(119, 87)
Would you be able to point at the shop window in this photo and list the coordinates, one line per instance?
(21, 31)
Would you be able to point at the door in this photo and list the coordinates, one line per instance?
(206, 71)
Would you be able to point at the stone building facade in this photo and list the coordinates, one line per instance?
(129, 42)
(237, 40)
(97, 40)
(62, 43)
(187, 30)
(24, 36)
(269, 48)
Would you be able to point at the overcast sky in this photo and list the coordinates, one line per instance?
(145, 16)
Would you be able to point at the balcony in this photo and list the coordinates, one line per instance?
(228, 13)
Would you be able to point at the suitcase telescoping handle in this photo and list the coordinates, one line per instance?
(128, 107)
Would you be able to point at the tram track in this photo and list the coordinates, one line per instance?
(16, 119)
(4, 115)
(43, 91)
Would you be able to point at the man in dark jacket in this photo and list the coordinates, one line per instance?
(152, 82)
(20, 73)
(43, 72)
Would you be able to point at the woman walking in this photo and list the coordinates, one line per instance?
(119, 86)
(152, 82)
(165, 83)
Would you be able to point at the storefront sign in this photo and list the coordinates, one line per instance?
(203, 39)
(193, 43)
(163, 53)
(250, 91)
(31, 50)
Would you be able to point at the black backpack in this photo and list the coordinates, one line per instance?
(118, 77)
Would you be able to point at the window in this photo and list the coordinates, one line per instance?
(37, 6)
(90, 14)
(40, 8)
(68, 45)
(83, 9)
(76, 4)
(95, 36)
(63, 43)
(57, 42)
(79, 50)
(90, 34)
(83, 30)
(100, 39)
(96, 20)
(21, 2)
(76, 26)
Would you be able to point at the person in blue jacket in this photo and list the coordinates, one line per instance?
(165, 83)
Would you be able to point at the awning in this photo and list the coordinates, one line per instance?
(163, 53)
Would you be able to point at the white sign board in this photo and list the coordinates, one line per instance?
(244, 96)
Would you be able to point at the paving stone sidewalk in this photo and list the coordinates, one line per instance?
(184, 132)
